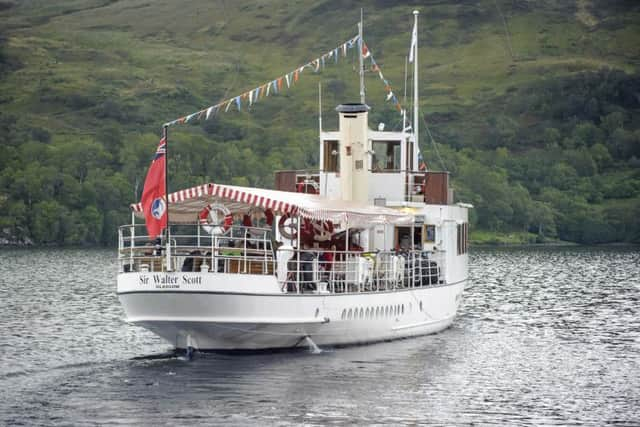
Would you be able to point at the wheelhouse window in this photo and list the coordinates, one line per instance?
(386, 157)
(331, 156)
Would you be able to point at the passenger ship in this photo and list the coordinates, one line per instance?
(368, 248)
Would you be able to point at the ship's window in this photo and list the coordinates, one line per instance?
(466, 237)
(403, 237)
(331, 156)
(429, 233)
(386, 157)
(463, 238)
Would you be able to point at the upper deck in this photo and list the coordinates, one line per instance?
(372, 166)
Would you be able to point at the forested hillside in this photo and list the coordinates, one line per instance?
(534, 105)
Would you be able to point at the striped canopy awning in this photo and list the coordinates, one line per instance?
(186, 205)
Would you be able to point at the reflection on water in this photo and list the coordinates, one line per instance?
(545, 336)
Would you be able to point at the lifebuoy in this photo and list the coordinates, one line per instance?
(288, 227)
(211, 222)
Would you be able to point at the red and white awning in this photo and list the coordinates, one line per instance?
(186, 205)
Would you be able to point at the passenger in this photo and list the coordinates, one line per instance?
(157, 247)
(326, 259)
(191, 262)
(306, 267)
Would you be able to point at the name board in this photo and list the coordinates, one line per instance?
(169, 281)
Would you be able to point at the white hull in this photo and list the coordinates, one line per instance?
(212, 315)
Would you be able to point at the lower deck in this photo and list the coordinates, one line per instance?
(252, 253)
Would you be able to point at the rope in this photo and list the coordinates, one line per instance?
(435, 146)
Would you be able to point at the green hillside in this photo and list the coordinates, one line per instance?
(534, 105)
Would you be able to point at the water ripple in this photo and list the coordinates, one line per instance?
(544, 337)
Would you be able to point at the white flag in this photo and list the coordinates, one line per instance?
(414, 42)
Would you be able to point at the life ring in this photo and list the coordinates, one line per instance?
(210, 219)
(286, 223)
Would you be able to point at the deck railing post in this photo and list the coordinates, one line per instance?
(244, 246)
(298, 257)
(265, 269)
(214, 254)
(132, 236)
(168, 250)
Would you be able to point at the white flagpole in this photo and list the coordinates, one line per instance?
(360, 45)
(415, 83)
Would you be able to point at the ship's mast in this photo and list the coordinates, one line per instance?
(361, 44)
(415, 80)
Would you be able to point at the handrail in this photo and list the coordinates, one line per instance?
(250, 250)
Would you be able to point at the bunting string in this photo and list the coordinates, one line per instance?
(391, 96)
(274, 86)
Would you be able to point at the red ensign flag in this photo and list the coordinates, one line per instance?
(153, 200)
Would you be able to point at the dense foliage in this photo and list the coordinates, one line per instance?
(536, 116)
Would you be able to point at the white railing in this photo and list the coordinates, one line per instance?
(239, 250)
(321, 271)
(251, 250)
